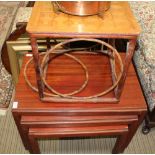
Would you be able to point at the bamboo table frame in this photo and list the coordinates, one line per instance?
(118, 23)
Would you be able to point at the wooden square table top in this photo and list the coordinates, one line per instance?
(132, 99)
(118, 20)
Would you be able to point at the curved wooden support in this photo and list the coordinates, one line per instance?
(21, 29)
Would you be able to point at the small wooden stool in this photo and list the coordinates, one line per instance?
(118, 130)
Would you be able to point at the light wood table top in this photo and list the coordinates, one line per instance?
(118, 20)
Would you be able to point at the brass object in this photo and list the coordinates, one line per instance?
(82, 8)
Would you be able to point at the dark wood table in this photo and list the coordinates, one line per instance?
(33, 117)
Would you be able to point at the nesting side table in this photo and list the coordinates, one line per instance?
(36, 119)
(32, 116)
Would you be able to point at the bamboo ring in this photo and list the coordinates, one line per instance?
(55, 95)
(81, 39)
(69, 95)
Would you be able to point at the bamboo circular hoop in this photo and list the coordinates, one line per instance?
(69, 95)
(54, 95)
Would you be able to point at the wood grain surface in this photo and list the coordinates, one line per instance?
(75, 119)
(132, 98)
(117, 20)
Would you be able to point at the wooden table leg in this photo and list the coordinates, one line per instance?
(24, 138)
(124, 140)
(120, 144)
(118, 130)
(34, 145)
(133, 128)
(26, 123)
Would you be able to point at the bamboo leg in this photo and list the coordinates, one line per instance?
(127, 61)
(36, 59)
(48, 43)
(112, 63)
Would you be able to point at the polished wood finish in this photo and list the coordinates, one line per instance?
(32, 113)
(117, 20)
(118, 23)
(28, 122)
(127, 95)
(69, 121)
(120, 131)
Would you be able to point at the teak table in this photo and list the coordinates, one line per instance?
(35, 119)
(118, 23)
